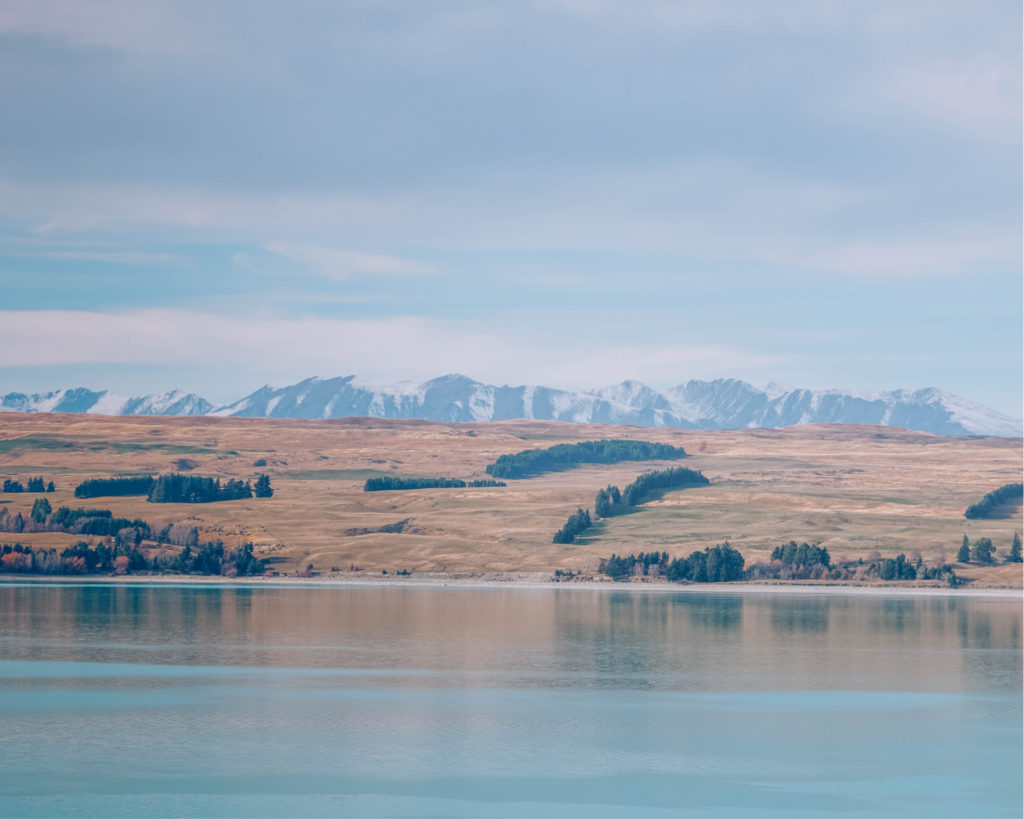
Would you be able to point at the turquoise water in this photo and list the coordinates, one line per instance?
(207, 701)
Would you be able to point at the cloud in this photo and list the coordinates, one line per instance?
(383, 349)
(332, 263)
(120, 25)
(911, 256)
(972, 95)
(104, 256)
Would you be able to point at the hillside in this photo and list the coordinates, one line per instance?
(854, 489)
(718, 404)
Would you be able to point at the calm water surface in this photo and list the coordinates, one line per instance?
(209, 701)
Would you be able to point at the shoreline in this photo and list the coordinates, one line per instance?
(507, 583)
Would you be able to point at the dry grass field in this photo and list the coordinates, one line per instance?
(854, 489)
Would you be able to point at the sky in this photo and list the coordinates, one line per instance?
(216, 195)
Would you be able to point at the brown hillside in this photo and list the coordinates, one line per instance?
(854, 488)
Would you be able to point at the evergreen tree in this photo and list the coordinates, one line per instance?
(565, 456)
(50, 487)
(982, 550)
(1015, 556)
(40, 509)
(964, 555)
(579, 521)
(262, 488)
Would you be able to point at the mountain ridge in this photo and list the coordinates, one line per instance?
(718, 404)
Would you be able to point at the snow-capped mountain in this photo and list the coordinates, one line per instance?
(104, 402)
(719, 404)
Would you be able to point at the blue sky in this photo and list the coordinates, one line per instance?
(217, 195)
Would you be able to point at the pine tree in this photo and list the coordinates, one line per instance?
(50, 487)
(964, 555)
(262, 488)
(982, 550)
(1015, 556)
(40, 509)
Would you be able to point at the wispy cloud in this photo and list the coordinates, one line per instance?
(333, 263)
(908, 256)
(388, 349)
(105, 256)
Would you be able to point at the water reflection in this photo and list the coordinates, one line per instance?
(805, 615)
(484, 703)
(665, 641)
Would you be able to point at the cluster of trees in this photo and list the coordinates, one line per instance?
(995, 503)
(392, 482)
(812, 562)
(177, 488)
(40, 510)
(120, 557)
(650, 484)
(34, 485)
(100, 522)
(903, 568)
(565, 456)
(897, 568)
(110, 487)
(802, 556)
(983, 551)
(645, 564)
(607, 502)
(610, 501)
(715, 564)
(578, 522)
(212, 558)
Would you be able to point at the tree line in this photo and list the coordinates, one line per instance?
(651, 484)
(990, 505)
(124, 558)
(714, 564)
(386, 482)
(560, 457)
(611, 501)
(578, 522)
(812, 562)
(97, 522)
(100, 522)
(34, 485)
(175, 488)
(114, 487)
(983, 551)
(790, 561)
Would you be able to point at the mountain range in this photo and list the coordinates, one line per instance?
(719, 404)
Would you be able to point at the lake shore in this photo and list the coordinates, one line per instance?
(521, 582)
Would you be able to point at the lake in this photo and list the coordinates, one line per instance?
(156, 700)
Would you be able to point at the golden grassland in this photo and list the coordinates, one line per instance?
(855, 489)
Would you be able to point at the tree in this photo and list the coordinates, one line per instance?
(577, 523)
(262, 488)
(1015, 556)
(50, 487)
(964, 555)
(982, 550)
(40, 509)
